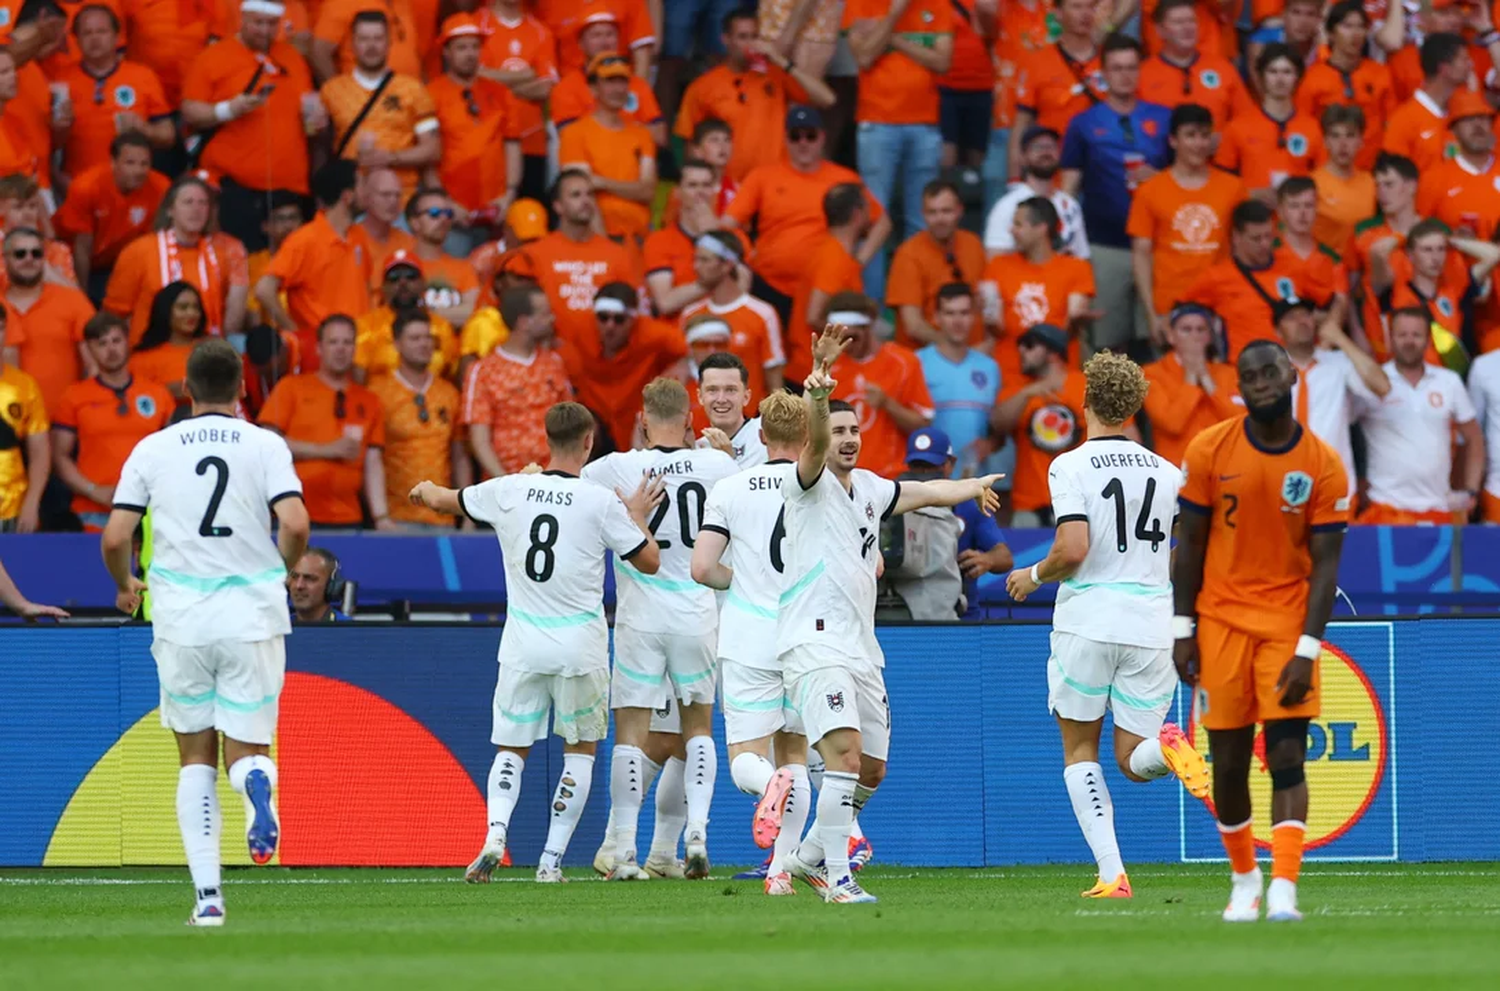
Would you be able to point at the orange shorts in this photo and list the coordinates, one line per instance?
(1491, 506)
(1379, 514)
(1240, 671)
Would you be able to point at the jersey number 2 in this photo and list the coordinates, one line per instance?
(1116, 491)
(221, 482)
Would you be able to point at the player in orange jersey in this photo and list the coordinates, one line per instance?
(1264, 507)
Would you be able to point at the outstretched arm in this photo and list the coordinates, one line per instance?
(949, 492)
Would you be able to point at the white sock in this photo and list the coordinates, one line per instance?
(567, 806)
(652, 770)
(626, 790)
(794, 818)
(241, 769)
(815, 768)
(502, 794)
(861, 796)
(701, 772)
(1096, 816)
(1147, 762)
(835, 816)
(671, 809)
(751, 773)
(199, 820)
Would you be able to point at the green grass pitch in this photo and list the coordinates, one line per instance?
(1368, 926)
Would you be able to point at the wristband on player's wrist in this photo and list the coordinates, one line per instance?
(1036, 577)
(1183, 627)
(1308, 647)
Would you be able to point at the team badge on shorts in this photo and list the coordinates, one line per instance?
(1296, 488)
(836, 702)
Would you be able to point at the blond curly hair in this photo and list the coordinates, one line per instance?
(1116, 387)
(783, 419)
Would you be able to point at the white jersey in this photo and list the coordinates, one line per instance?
(668, 601)
(747, 508)
(209, 483)
(553, 530)
(828, 590)
(749, 450)
(1122, 593)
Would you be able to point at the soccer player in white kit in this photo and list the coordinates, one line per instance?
(1114, 502)
(554, 530)
(724, 394)
(825, 623)
(744, 516)
(665, 626)
(218, 612)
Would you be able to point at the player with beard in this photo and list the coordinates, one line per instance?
(1264, 507)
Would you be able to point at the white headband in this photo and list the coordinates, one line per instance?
(716, 329)
(267, 7)
(849, 318)
(608, 304)
(717, 247)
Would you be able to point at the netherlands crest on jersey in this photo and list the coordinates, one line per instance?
(1445, 306)
(124, 96)
(1296, 144)
(145, 406)
(1209, 78)
(1286, 290)
(632, 102)
(137, 216)
(1296, 488)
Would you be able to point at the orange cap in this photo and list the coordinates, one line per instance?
(608, 65)
(527, 219)
(460, 26)
(401, 259)
(1467, 103)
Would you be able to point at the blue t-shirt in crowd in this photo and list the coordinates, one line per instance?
(963, 394)
(1097, 145)
(980, 533)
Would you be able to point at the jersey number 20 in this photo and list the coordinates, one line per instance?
(687, 492)
(1116, 491)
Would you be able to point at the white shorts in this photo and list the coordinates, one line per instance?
(666, 717)
(232, 686)
(826, 699)
(755, 703)
(1085, 677)
(653, 666)
(523, 700)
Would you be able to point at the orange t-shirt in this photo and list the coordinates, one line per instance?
(753, 103)
(321, 274)
(1263, 151)
(754, 337)
(242, 149)
(564, 18)
(611, 386)
(404, 112)
(335, 24)
(898, 372)
(921, 266)
(1049, 425)
(1445, 307)
(1211, 81)
(1226, 289)
(1342, 205)
(107, 425)
(511, 396)
(829, 268)
(611, 153)
(164, 365)
(50, 333)
(786, 208)
(1368, 87)
(95, 206)
(377, 251)
(1178, 411)
(572, 99)
(571, 272)
(1031, 294)
(17, 152)
(375, 348)
(511, 47)
(896, 89)
(417, 447)
(144, 267)
(475, 122)
(165, 36)
(130, 87)
(1413, 129)
(1188, 229)
(1020, 34)
(304, 408)
(1372, 231)
(1459, 195)
(1277, 499)
(1055, 88)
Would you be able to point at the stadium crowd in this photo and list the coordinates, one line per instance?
(349, 190)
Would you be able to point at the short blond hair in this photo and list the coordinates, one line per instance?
(1116, 387)
(664, 399)
(783, 419)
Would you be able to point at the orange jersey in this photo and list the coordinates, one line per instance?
(375, 348)
(898, 373)
(753, 103)
(786, 209)
(17, 156)
(377, 250)
(1179, 412)
(22, 414)
(1418, 130)
(1211, 81)
(449, 280)
(50, 333)
(830, 269)
(527, 43)
(130, 88)
(1049, 425)
(972, 70)
(402, 114)
(1368, 87)
(242, 149)
(754, 337)
(511, 396)
(571, 272)
(1342, 205)
(164, 365)
(572, 99)
(1277, 499)
(335, 25)
(1056, 88)
(1446, 307)
(1320, 274)
(1021, 33)
(1216, 33)
(1242, 297)
(611, 153)
(96, 207)
(420, 426)
(1263, 151)
(322, 274)
(165, 36)
(565, 18)
(1462, 196)
(921, 266)
(1188, 229)
(895, 88)
(611, 385)
(1030, 294)
(305, 408)
(106, 424)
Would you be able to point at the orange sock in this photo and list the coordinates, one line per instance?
(1239, 843)
(1286, 849)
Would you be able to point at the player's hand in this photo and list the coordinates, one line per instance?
(819, 384)
(719, 440)
(645, 498)
(31, 610)
(1295, 682)
(128, 599)
(1185, 656)
(827, 346)
(418, 494)
(988, 498)
(1018, 584)
(532, 469)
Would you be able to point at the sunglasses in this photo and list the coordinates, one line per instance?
(403, 275)
(436, 212)
(612, 317)
(340, 405)
(35, 254)
(798, 135)
(422, 414)
(122, 405)
(469, 104)
(952, 264)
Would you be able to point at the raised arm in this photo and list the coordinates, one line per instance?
(819, 385)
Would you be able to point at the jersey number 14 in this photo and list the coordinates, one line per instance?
(1143, 530)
